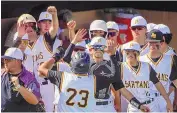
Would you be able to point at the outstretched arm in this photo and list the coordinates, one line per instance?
(46, 66)
(77, 38)
(55, 24)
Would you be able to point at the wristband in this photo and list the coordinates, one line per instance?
(135, 103)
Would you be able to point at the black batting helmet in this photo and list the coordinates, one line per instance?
(80, 62)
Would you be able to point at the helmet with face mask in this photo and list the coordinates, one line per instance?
(98, 25)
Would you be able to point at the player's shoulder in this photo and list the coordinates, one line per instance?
(166, 56)
(144, 47)
(144, 64)
(143, 57)
(68, 75)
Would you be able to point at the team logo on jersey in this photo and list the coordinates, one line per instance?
(106, 74)
(162, 77)
(136, 84)
(102, 93)
(153, 35)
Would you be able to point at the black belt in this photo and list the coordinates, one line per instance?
(45, 82)
(102, 103)
(148, 101)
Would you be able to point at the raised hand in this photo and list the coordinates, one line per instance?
(52, 10)
(71, 25)
(21, 29)
(79, 37)
(110, 47)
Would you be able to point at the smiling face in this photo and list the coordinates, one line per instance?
(154, 46)
(131, 55)
(97, 51)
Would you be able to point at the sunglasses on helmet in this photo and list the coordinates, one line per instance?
(98, 47)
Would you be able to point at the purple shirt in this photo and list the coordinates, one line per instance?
(9, 97)
(30, 82)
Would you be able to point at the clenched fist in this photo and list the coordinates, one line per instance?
(52, 10)
(71, 25)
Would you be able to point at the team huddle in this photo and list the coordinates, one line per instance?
(96, 74)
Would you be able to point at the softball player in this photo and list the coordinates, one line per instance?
(150, 26)
(26, 30)
(138, 82)
(138, 29)
(76, 87)
(166, 49)
(162, 64)
(99, 28)
(105, 75)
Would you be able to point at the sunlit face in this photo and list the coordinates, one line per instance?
(44, 25)
(131, 55)
(96, 33)
(113, 34)
(138, 32)
(154, 46)
(97, 51)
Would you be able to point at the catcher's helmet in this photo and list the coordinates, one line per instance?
(80, 62)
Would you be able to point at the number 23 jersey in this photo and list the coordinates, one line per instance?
(76, 93)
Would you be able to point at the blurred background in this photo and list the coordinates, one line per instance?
(85, 12)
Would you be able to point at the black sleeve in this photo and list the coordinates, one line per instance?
(68, 53)
(49, 38)
(118, 84)
(153, 75)
(173, 75)
(119, 55)
(54, 77)
(172, 85)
